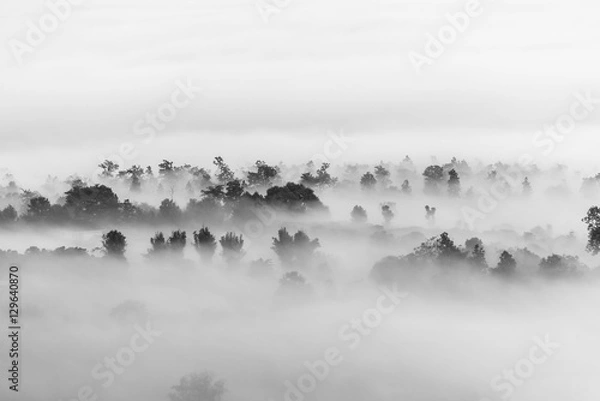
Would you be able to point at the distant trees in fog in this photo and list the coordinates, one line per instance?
(434, 177)
(198, 387)
(443, 253)
(296, 250)
(226, 197)
(205, 244)
(368, 181)
(453, 184)
(592, 219)
(359, 214)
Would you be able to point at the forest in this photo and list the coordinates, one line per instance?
(213, 246)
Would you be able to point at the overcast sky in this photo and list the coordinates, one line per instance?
(317, 65)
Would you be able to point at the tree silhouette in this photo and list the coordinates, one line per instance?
(592, 219)
(368, 181)
(506, 266)
(114, 243)
(169, 211)
(264, 175)
(159, 245)
(359, 215)
(224, 173)
(177, 242)
(294, 198)
(296, 250)
(92, 204)
(387, 213)
(434, 175)
(8, 215)
(198, 387)
(453, 184)
(205, 243)
(232, 247)
(321, 179)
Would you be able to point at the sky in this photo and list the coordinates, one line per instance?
(274, 89)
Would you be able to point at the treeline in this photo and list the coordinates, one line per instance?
(222, 195)
(293, 251)
(99, 204)
(442, 253)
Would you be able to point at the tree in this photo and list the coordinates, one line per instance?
(440, 250)
(198, 387)
(205, 244)
(477, 258)
(294, 284)
(471, 243)
(294, 250)
(359, 215)
(430, 213)
(321, 179)
(434, 175)
(169, 211)
(561, 266)
(264, 175)
(453, 184)
(295, 198)
(232, 247)
(114, 243)
(159, 245)
(382, 175)
(91, 204)
(177, 242)
(526, 187)
(207, 210)
(387, 213)
(8, 215)
(224, 173)
(406, 188)
(38, 209)
(506, 266)
(234, 190)
(109, 168)
(593, 226)
(368, 181)
(135, 173)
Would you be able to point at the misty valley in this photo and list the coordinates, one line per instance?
(402, 280)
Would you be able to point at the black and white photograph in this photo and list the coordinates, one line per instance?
(299, 200)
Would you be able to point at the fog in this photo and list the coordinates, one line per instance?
(205, 203)
(442, 331)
